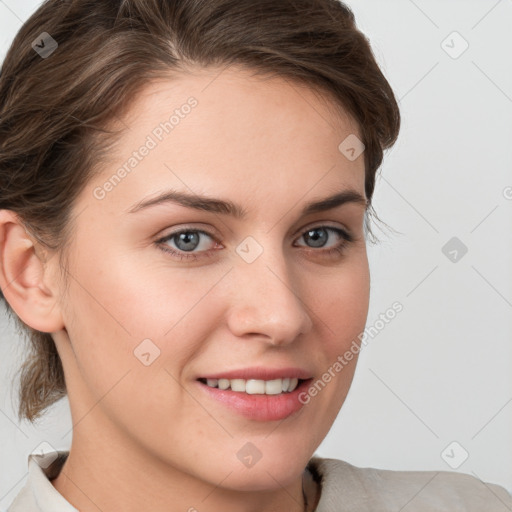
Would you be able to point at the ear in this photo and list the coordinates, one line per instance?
(25, 276)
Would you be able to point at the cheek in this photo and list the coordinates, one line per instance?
(117, 304)
(342, 303)
(113, 324)
(342, 309)
(128, 296)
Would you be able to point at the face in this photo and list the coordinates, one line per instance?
(166, 300)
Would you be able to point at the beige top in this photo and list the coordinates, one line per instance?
(345, 488)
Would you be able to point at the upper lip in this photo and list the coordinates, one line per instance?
(261, 373)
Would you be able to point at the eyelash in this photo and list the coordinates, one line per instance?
(339, 250)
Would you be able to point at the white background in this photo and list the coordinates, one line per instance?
(441, 371)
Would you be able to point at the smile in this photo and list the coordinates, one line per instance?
(254, 386)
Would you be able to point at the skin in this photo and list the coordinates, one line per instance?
(146, 437)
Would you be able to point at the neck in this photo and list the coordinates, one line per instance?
(101, 475)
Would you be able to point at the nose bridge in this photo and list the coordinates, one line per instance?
(266, 299)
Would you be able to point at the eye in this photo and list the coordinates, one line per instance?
(319, 235)
(187, 240)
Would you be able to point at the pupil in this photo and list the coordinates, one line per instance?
(319, 241)
(186, 237)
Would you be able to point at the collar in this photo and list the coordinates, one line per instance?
(41, 469)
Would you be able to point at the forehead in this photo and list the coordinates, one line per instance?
(224, 130)
(238, 90)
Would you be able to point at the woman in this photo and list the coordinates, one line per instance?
(185, 192)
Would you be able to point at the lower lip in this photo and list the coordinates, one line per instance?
(259, 407)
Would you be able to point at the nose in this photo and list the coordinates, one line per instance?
(266, 300)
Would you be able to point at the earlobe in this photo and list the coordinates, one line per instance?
(25, 276)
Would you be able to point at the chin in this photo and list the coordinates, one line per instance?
(271, 472)
(261, 480)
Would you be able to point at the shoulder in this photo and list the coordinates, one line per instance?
(408, 491)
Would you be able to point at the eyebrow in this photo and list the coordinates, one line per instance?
(226, 207)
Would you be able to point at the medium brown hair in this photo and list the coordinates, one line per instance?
(55, 111)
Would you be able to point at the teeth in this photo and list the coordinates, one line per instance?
(255, 387)
(237, 385)
(274, 387)
(223, 383)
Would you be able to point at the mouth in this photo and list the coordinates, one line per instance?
(255, 386)
(274, 399)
